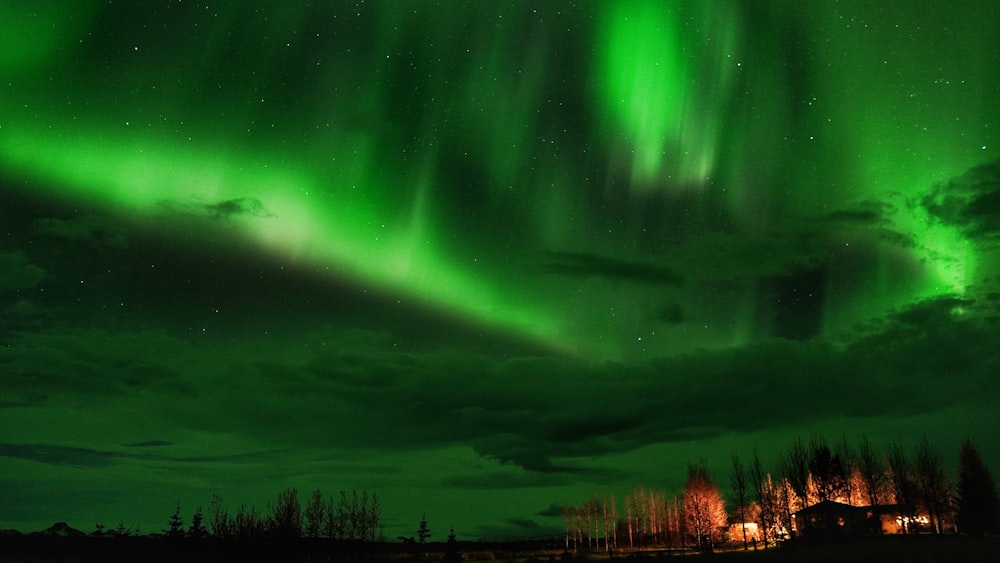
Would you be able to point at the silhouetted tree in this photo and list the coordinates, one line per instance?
(286, 515)
(850, 486)
(197, 529)
(122, 530)
(451, 553)
(248, 523)
(932, 482)
(904, 488)
(738, 480)
(704, 508)
(765, 496)
(794, 466)
(314, 515)
(175, 526)
(872, 474)
(826, 470)
(976, 496)
(373, 519)
(334, 525)
(219, 523)
(423, 532)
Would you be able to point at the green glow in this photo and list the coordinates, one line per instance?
(645, 81)
(343, 227)
(446, 156)
(38, 31)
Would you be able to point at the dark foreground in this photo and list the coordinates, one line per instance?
(911, 549)
(884, 549)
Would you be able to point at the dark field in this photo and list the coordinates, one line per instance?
(915, 549)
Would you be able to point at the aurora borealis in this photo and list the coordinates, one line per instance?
(483, 257)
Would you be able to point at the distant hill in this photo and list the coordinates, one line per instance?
(60, 530)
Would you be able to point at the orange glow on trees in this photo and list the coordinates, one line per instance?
(704, 508)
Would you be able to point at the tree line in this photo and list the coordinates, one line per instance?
(350, 517)
(914, 483)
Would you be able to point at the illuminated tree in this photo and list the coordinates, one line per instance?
(704, 508)
(795, 469)
(569, 523)
(976, 496)
(611, 519)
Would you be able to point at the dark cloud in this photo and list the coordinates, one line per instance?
(503, 480)
(149, 444)
(246, 206)
(866, 213)
(531, 415)
(58, 455)
(551, 511)
(16, 272)
(96, 231)
(518, 528)
(672, 314)
(583, 264)
(970, 201)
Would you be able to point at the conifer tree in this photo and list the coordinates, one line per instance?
(423, 532)
(175, 526)
(976, 498)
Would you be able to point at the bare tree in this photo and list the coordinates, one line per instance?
(612, 504)
(826, 470)
(872, 473)
(248, 523)
(795, 469)
(932, 482)
(738, 480)
(334, 526)
(704, 508)
(286, 515)
(849, 467)
(219, 523)
(373, 519)
(904, 488)
(314, 515)
(569, 521)
(764, 495)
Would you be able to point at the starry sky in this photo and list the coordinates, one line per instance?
(484, 258)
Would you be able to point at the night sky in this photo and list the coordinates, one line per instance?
(483, 258)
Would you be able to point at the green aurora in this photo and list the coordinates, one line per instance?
(483, 257)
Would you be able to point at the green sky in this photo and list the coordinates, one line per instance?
(483, 258)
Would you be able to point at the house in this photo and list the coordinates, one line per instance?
(831, 519)
(835, 519)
